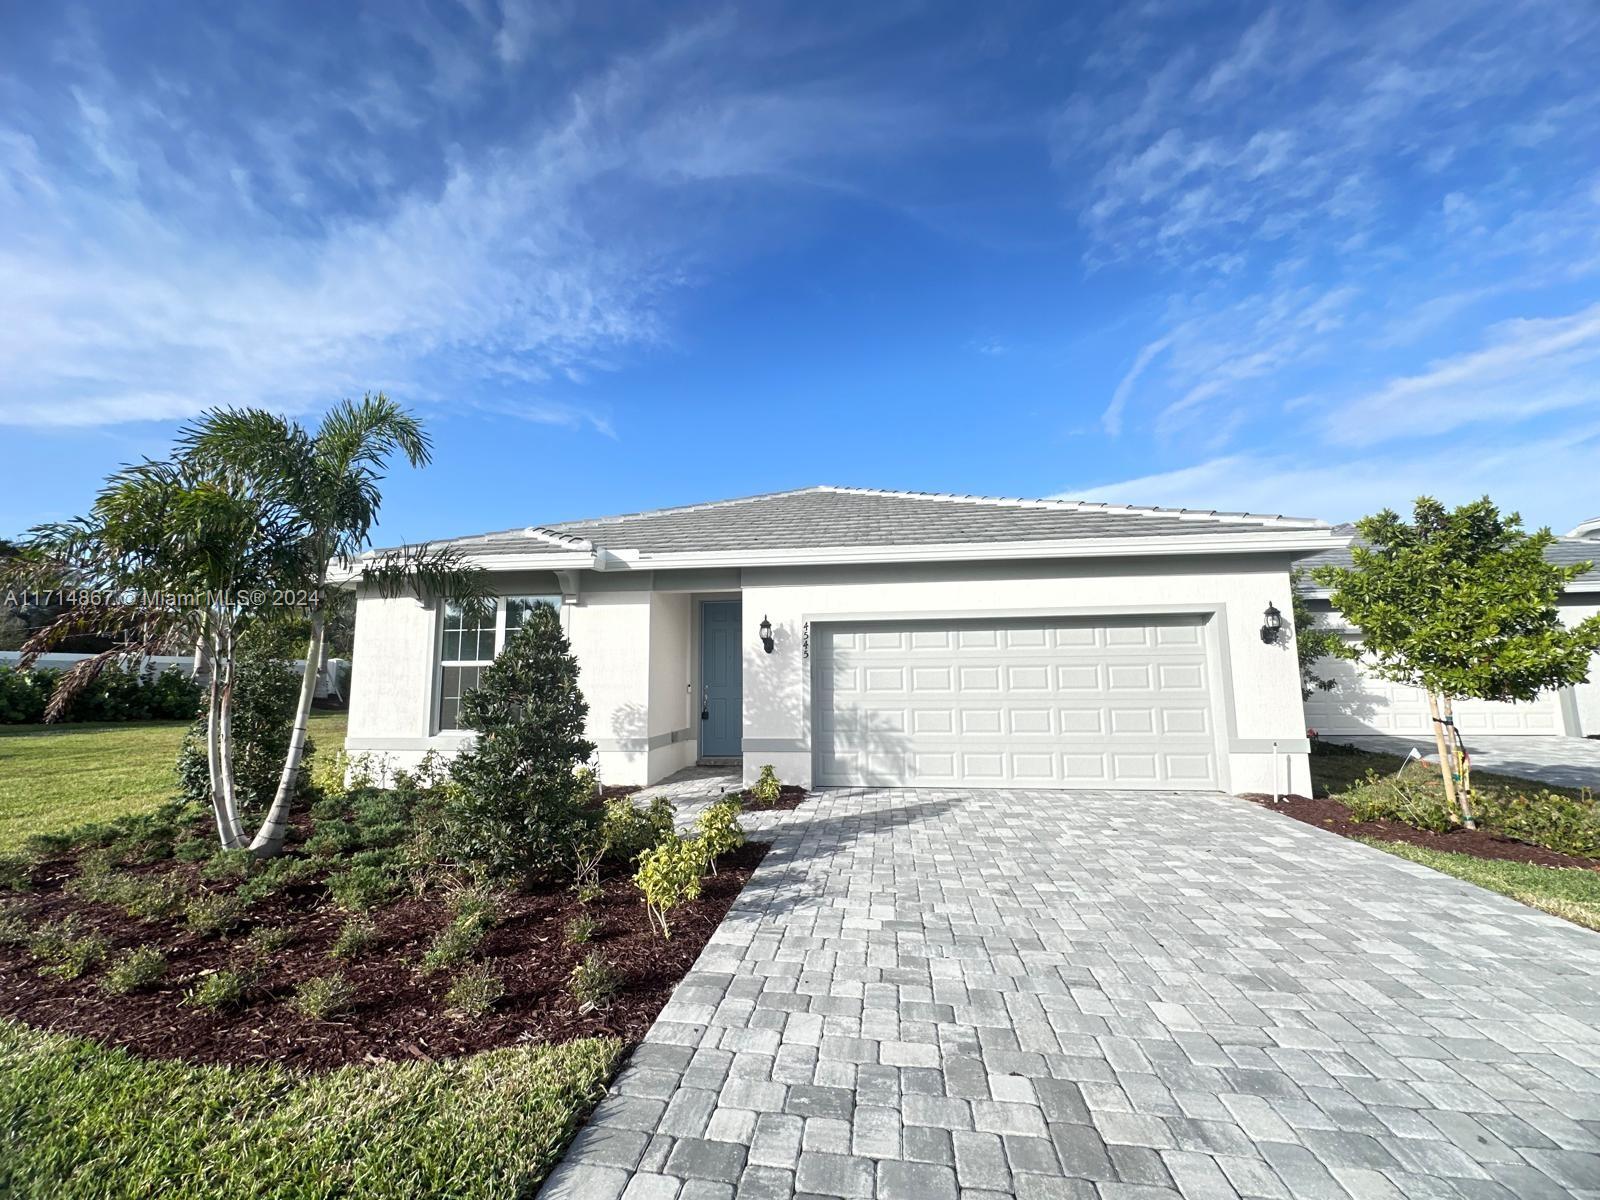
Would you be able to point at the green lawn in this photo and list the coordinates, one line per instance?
(79, 1120)
(1571, 893)
(53, 777)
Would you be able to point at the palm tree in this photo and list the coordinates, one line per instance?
(329, 481)
(163, 556)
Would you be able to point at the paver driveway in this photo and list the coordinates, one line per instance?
(926, 993)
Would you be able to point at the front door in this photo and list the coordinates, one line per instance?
(721, 680)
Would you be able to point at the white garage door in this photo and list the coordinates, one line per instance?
(1362, 704)
(1029, 703)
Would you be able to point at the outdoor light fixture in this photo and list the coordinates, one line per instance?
(1271, 623)
(766, 635)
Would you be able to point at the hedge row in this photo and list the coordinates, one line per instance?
(114, 696)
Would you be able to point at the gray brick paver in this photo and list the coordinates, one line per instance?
(1043, 994)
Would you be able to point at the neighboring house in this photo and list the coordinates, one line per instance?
(915, 639)
(1362, 704)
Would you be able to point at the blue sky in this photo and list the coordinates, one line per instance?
(1308, 258)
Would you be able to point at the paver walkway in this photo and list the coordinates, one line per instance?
(925, 994)
(1563, 761)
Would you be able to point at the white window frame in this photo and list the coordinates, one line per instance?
(501, 606)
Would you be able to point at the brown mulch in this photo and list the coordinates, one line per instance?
(789, 797)
(1335, 817)
(398, 1013)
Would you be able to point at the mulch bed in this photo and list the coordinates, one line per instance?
(789, 797)
(399, 1014)
(1335, 817)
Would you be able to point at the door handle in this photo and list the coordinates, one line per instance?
(705, 706)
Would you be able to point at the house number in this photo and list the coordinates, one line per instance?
(805, 639)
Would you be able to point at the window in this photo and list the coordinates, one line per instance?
(473, 635)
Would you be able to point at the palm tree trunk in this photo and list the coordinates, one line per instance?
(218, 764)
(269, 840)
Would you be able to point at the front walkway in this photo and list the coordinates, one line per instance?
(1563, 761)
(922, 994)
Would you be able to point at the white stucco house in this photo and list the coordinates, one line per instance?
(854, 636)
(1363, 706)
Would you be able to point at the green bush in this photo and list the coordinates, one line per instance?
(593, 983)
(455, 942)
(265, 691)
(274, 876)
(212, 914)
(135, 970)
(16, 873)
(1415, 797)
(218, 991)
(115, 695)
(266, 940)
(323, 996)
(519, 811)
(720, 831)
(14, 929)
(767, 789)
(669, 876)
(357, 936)
(626, 831)
(474, 991)
(362, 887)
(68, 957)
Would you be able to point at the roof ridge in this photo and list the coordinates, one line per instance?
(1068, 505)
(679, 508)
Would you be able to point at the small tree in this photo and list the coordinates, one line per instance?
(1463, 605)
(519, 805)
(1313, 641)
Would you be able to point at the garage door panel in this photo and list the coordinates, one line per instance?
(1119, 726)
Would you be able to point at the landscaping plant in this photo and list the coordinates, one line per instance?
(474, 991)
(594, 982)
(135, 970)
(1462, 604)
(518, 808)
(323, 996)
(720, 831)
(766, 788)
(669, 876)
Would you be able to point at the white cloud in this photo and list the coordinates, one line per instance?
(1111, 419)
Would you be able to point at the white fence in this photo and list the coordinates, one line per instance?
(332, 681)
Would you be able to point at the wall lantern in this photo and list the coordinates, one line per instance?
(766, 635)
(1271, 624)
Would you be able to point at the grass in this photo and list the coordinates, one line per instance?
(1332, 774)
(1567, 892)
(54, 777)
(78, 1120)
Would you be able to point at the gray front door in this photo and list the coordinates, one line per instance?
(721, 680)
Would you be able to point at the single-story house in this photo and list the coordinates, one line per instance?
(1362, 706)
(850, 636)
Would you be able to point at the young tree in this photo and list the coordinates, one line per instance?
(518, 807)
(1463, 605)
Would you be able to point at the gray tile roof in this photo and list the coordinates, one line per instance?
(1564, 551)
(843, 517)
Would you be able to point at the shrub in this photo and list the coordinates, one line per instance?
(265, 690)
(356, 937)
(14, 929)
(329, 774)
(669, 876)
(580, 929)
(151, 898)
(218, 991)
(720, 831)
(1567, 824)
(229, 866)
(75, 957)
(114, 695)
(474, 991)
(16, 873)
(212, 914)
(454, 943)
(519, 808)
(42, 847)
(593, 982)
(626, 832)
(767, 789)
(278, 874)
(266, 940)
(135, 970)
(363, 886)
(49, 941)
(1412, 798)
(194, 849)
(323, 996)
